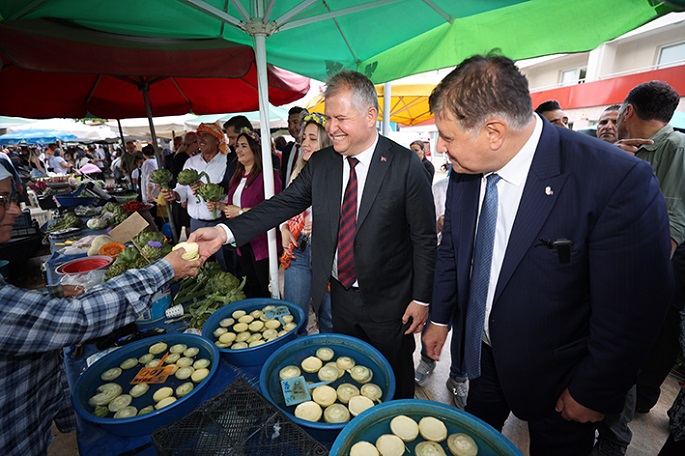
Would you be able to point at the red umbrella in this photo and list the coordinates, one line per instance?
(52, 69)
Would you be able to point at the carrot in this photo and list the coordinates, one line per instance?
(112, 249)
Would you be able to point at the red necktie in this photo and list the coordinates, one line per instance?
(347, 229)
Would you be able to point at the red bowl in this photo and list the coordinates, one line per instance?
(81, 265)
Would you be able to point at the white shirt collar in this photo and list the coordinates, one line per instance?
(516, 170)
(366, 156)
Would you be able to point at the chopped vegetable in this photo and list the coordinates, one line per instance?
(139, 389)
(372, 391)
(432, 429)
(363, 449)
(324, 353)
(184, 362)
(202, 363)
(111, 374)
(146, 358)
(311, 364)
(126, 412)
(146, 410)
(226, 322)
(345, 363)
(336, 413)
(390, 445)
(358, 404)
(191, 351)
(178, 348)
(158, 348)
(129, 363)
(184, 373)
(119, 402)
(345, 391)
(328, 373)
(184, 389)
(106, 393)
(165, 402)
(324, 395)
(429, 449)
(405, 428)
(361, 374)
(309, 411)
(289, 372)
(462, 445)
(162, 393)
(199, 375)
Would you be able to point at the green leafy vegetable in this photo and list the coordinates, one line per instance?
(161, 177)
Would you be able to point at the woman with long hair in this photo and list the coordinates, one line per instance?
(246, 190)
(297, 232)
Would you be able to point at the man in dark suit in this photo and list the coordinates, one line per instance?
(291, 152)
(379, 257)
(557, 316)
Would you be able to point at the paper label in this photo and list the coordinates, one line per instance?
(154, 375)
(278, 312)
(295, 390)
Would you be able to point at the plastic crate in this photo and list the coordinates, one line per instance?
(238, 421)
(24, 225)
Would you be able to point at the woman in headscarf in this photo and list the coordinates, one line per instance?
(297, 232)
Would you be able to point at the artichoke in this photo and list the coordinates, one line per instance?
(191, 176)
(151, 253)
(223, 283)
(161, 177)
(141, 239)
(129, 255)
(115, 270)
(212, 193)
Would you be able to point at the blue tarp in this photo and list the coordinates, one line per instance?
(31, 136)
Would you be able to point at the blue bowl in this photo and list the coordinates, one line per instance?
(375, 422)
(73, 200)
(145, 424)
(254, 356)
(295, 352)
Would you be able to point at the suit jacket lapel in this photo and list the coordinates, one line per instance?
(465, 208)
(380, 162)
(333, 193)
(543, 186)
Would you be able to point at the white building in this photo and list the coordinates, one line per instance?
(586, 83)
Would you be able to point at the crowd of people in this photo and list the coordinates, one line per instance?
(554, 258)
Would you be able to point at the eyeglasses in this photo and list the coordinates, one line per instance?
(7, 200)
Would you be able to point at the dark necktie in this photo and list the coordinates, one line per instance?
(480, 277)
(347, 229)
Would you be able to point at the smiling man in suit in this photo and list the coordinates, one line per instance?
(373, 224)
(555, 248)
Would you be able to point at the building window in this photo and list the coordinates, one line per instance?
(671, 55)
(573, 76)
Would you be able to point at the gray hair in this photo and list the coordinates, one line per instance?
(364, 94)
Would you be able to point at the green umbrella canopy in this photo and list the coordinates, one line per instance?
(386, 39)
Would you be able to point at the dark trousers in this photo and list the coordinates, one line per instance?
(659, 361)
(549, 434)
(257, 273)
(351, 318)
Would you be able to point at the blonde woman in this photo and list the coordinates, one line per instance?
(296, 233)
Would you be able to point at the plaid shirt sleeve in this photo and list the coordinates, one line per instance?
(34, 325)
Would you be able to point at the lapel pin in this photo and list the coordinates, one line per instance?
(548, 191)
(383, 159)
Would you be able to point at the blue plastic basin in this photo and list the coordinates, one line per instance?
(295, 352)
(72, 200)
(254, 356)
(375, 422)
(145, 424)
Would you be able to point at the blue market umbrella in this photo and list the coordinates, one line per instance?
(31, 136)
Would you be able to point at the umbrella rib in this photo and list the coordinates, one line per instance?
(241, 9)
(92, 89)
(215, 12)
(180, 90)
(27, 9)
(439, 10)
(293, 12)
(332, 14)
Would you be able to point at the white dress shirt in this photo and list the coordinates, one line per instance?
(215, 169)
(509, 190)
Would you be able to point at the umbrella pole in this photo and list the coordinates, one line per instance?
(160, 164)
(260, 57)
(123, 145)
(387, 98)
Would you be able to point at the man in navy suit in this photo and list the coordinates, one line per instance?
(579, 267)
(383, 298)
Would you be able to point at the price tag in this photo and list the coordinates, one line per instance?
(295, 390)
(154, 375)
(278, 312)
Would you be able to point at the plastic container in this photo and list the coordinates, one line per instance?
(72, 200)
(83, 265)
(254, 356)
(153, 315)
(295, 352)
(145, 424)
(375, 422)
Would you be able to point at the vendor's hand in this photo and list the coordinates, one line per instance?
(195, 186)
(169, 195)
(440, 224)
(574, 411)
(209, 240)
(418, 315)
(433, 340)
(72, 290)
(632, 145)
(287, 238)
(183, 268)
